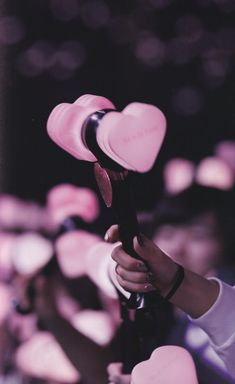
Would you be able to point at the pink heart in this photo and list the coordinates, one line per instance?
(97, 263)
(66, 200)
(42, 357)
(134, 136)
(166, 365)
(65, 124)
(72, 249)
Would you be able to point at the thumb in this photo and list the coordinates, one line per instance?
(112, 234)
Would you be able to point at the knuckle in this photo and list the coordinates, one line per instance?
(133, 265)
(119, 272)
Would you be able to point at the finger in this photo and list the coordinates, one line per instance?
(134, 287)
(126, 261)
(146, 249)
(134, 277)
(112, 234)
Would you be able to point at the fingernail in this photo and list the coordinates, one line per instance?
(106, 237)
(148, 286)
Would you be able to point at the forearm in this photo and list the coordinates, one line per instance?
(195, 295)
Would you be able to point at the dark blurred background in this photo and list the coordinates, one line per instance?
(178, 55)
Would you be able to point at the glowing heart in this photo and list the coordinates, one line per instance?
(166, 365)
(178, 175)
(30, 252)
(214, 172)
(66, 200)
(66, 120)
(134, 136)
(97, 325)
(42, 357)
(72, 249)
(97, 267)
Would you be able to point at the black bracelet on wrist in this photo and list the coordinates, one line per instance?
(179, 277)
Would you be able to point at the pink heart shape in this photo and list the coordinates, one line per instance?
(72, 249)
(65, 124)
(166, 365)
(134, 136)
(97, 264)
(30, 252)
(96, 325)
(42, 357)
(65, 200)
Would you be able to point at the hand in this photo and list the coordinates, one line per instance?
(156, 271)
(115, 375)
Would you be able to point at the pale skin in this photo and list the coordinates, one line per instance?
(157, 271)
(134, 276)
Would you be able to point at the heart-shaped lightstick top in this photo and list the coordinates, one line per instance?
(91, 129)
(96, 325)
(67, 200)
(41, 356)
(72, 249)
(131, 138)
(98, 265)
(30, 252)
(66, 121)
(166, 365)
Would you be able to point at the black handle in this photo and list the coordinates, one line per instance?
(123, 207)
(116, 192)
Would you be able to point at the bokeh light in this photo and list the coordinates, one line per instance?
(150, 50)
(12, 30)
(36, 59)
(65, 10)
(188, 101)
(53, 260)
(95, 13)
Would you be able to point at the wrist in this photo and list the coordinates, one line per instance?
(178, 280)
(196, 294)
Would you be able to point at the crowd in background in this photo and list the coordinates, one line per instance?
(59, 312)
